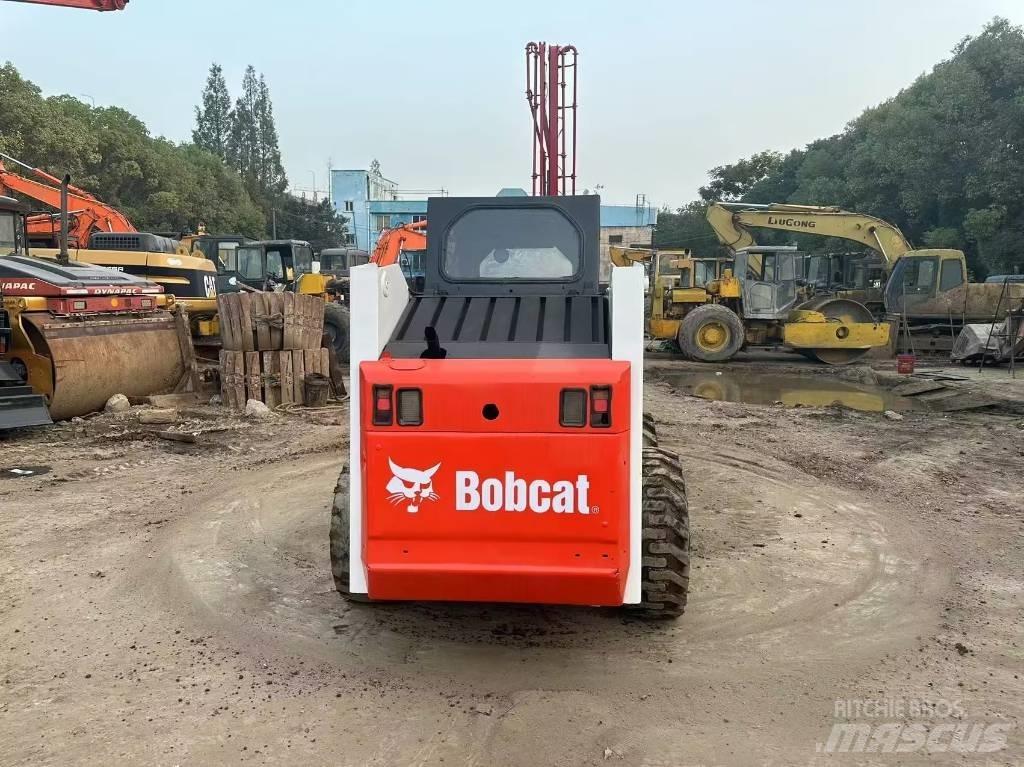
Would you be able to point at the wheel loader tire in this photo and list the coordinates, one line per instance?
(665, 575)
(336, 340)
(650, 431)
(710, 333)
(336, 330)
(339, 539)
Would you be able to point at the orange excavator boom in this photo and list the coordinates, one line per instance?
(89, 5)
(393, 241)
(88, 213)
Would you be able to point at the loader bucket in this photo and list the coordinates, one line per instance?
(95, 359)
(19, 405)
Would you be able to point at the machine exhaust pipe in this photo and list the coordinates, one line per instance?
(63, 257)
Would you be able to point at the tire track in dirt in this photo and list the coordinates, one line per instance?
(785, 568)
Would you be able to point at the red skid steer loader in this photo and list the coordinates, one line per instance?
(499, 451)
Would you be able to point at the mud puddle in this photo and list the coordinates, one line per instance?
(790, 390)
(18, 472)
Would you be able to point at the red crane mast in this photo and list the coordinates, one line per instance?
(551, 93)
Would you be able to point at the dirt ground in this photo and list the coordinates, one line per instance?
(171, 604)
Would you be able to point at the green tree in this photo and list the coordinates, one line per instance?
(732, 182)
(243, 137)
(213, 118)
(319, 223)
(686, 227)
(268, 168)
(160, 185)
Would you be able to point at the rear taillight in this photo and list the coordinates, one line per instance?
(383, 412)
(572, 410)
(410, 407)
(600, 406)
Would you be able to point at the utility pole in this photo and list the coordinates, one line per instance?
(273, 224)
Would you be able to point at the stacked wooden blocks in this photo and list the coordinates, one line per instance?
(270, 342)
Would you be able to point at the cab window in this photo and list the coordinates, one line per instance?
(250, 264)
(704, 272)
(508, 244)
(919, 276)
(8, 241)
(275, 265)
(303, 259)
(952, 275)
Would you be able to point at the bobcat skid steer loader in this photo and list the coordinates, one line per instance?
(499, 451)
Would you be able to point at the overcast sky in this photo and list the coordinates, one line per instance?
(435, 90)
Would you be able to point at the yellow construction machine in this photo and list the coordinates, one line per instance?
(712, 313)
(924, 290)
(79, 333)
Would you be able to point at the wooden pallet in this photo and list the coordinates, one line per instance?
(272, 377)
(258, 322)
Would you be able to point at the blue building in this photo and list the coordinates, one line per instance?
(370, 203)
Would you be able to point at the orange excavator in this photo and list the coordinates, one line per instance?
(88, 214)
(90, 5)
(403, 245)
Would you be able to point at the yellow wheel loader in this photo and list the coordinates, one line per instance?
(712, 308)
(79, 333)
(927, 288)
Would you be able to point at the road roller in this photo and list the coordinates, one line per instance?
(80, 333)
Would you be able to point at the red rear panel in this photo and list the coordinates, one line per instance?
(514, 509)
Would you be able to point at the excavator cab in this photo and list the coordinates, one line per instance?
(496, 425)
(927, 282)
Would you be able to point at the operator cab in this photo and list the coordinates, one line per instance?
(12, 227)
(509, 278)
(266, 265)
(337, 261)
(771, 277)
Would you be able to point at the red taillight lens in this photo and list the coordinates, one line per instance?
(410, 407)
(600, 406)
(383, 413)
(572, 410)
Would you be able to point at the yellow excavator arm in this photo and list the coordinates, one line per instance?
(732, 222)
(628, 256)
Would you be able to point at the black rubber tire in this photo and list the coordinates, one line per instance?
(650, 431)
(665, 576)
(698, 318)
(340, 541)
(337, 330)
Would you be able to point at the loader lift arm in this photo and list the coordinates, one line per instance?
(732, 222)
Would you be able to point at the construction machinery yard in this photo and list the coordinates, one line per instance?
(503, 486)
(837, 554)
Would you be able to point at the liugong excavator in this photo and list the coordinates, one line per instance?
(926, 287)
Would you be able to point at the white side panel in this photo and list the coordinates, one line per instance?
(378, 297)
(627, 306)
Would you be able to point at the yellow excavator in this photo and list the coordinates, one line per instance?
(925, 289)
(714, 307)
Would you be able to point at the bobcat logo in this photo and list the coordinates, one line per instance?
(411, 485)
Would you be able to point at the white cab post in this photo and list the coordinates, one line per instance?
(378, 297)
